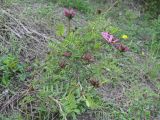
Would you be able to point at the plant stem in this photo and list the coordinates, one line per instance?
(69, 26)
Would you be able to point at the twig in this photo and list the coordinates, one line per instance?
(17, 34)
(111, 7)
(59, 104)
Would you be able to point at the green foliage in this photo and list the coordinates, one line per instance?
(10, 68)
(142, 102)
(74, 68)
(152, 6)
(148, 6)
(14, 116)
(81, 5)
(155, 42)
(155, 71)
(60, 30)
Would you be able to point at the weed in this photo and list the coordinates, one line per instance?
(10, 68)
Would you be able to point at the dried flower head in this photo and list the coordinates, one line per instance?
(95, 83)
(69, 13)
(62, 64)
(67, 54)
(122, 47)
(88, 57)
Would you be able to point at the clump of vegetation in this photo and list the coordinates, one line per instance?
(152, 6)
(73, 70)
(10, 68)
(155, 37)
(81, 5)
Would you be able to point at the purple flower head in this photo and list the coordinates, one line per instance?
(69, 13)
(122, 47)
(114, 42)
(109, 38)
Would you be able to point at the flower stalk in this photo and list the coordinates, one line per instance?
(69, 26)
(69, 13)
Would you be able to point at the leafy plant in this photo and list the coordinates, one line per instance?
(73, 70)
(10, 68)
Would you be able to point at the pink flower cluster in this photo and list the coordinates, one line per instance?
(110, 38)
(69, 13)
(115, 42)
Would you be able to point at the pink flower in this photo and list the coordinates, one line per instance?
(109, 38)
(114, 42)
(122, 47)
(69, 13)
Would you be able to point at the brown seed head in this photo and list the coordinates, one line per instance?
(95, 83)
(88, 57)
(67, 54)
(62, 64)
